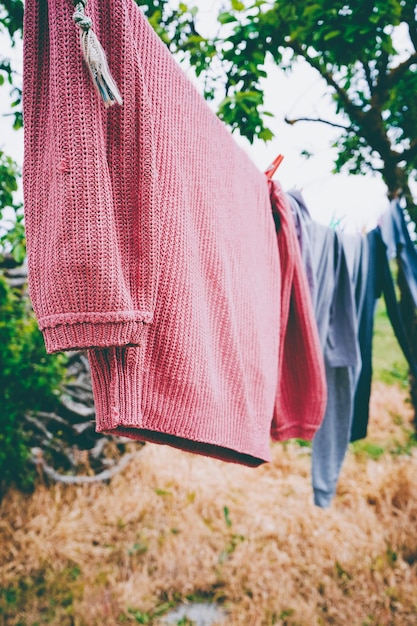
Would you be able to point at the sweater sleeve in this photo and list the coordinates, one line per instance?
(302, 392)
(90, 183)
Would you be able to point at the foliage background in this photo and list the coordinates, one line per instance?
(175, 528)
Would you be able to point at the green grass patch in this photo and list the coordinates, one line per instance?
(405, 448)
(388, 362)
(49, 593)
(366, 449)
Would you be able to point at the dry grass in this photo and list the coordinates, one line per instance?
(175, 526)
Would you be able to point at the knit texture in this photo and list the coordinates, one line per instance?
(90, 181)
(150, 240)
(301, 391)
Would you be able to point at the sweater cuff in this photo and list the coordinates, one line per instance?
(82, 335)
(294, 431)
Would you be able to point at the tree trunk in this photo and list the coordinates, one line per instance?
(398, 186)
(409, 313)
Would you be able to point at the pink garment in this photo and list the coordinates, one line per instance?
(150, 241)
(302, 391)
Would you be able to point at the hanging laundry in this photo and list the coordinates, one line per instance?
(332, 439)
(337, 265)
(151, 243)
(382, 240)
(302, 217)
(396, 236)
(302, 392)
(347, 274)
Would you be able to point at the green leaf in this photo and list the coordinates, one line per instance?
(226, 18)
(332, 34)
(19, 252)
(266, 134)
(226, 514)
(237, 5)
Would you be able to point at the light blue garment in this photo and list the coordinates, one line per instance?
(332, 439)
(342, 369)
(302, 217)
(337, 264)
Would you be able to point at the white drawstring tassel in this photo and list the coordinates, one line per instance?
(95, 57)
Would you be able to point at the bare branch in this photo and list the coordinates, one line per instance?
(316, 119)
(370, 122)
(108, 474)
(77, 408)
(368, 77)
(355, 112)
(42, 415)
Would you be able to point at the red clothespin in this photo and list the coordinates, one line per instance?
(270, 171)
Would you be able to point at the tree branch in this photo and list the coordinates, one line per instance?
(370, 122)
(368, 77)
(56, 477)
(316, 119)
(395, 74)
(355, 112)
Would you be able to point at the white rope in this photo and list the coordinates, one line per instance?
(95, 57)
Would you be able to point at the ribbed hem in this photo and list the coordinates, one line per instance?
(128, 404)
(117, 375)
(294, 431)
(84, 335)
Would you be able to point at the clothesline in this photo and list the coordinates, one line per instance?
(347, 274)
(151, 245)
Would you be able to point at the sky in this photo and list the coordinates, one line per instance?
(357, 201)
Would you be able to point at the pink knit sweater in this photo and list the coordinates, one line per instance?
(151, 243)
(301, 389)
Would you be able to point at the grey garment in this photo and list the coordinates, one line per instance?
(302, 217)
(356, 249)
(337, 265)
(333, 298)
(342, 347)
(357, 257)
(325, 260)
(332, 439)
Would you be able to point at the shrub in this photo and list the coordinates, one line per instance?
(29, 381)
